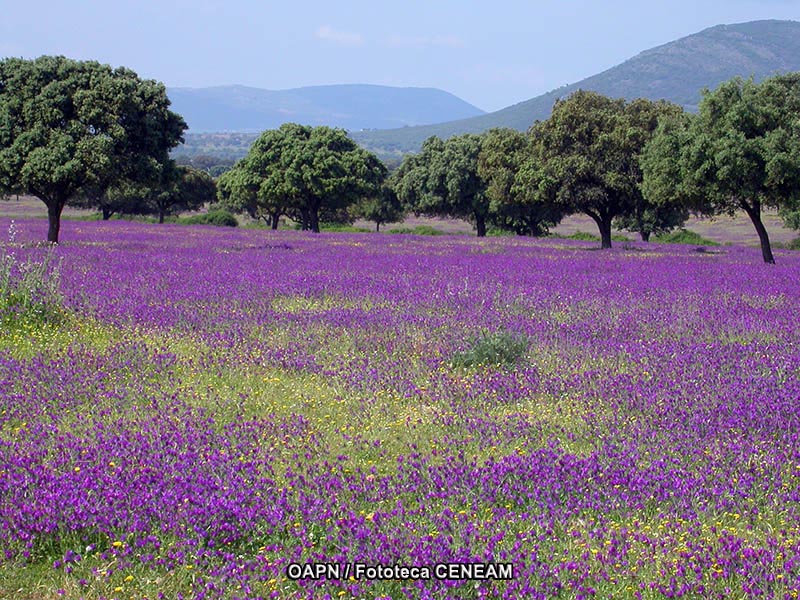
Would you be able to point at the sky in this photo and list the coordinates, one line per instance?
(491, 53)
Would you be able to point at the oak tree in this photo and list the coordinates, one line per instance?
(740, 152)
(68, 125)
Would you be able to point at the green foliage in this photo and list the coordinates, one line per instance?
(417, 230)
(385, 207)
(684, 236)
(309, 173)
(443, 181)
(498, 348)
(790, 213)
(219, 217)
(584, 236)
(741, 152)
(512, 207)
(29, 290)
(341, 228)
(591, 237)
(585, 157)
(175, 189)
(213, 165)
(794, 244)
(70, 128)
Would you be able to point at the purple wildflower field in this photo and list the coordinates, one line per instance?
(219, 404)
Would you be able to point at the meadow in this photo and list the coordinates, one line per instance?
(206, 407)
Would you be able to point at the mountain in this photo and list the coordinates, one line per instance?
(353, 107)
(676, 71)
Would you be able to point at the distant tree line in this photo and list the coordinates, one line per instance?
(86, 134)
(643, 166)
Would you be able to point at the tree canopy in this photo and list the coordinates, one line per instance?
(309, 173)
(741, 152)
(513, 208)
(67, 125)
(181, 188)
(584, 158)
(383, 207)
(443, 180)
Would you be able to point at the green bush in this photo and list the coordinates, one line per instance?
(426, 230)
(792, 245)
(418, 230)
(583, 236)
(218, 217)
(29, 290)
(498, 348)
(342, 228)
(591, 237)
(684, 236)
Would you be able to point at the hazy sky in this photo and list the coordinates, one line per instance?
(490, 53)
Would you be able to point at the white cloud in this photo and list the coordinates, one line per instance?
(342, 38)
(424, 41)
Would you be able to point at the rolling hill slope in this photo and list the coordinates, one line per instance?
(238, 108)
(676, 71)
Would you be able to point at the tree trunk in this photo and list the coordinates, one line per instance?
(275, 220)
(54, 208)
(604, 225)
(377, 226)
(480, 225)
(754, 212)
(306, 220)
(313, 220)
(160, 216)
(605, 234)
(106, 213)
(645, 236)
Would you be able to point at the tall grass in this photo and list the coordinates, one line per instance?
(29, 288)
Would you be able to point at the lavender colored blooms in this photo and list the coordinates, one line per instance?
(224, 403)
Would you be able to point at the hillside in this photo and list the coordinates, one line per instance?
(676, 71)
(245, 109)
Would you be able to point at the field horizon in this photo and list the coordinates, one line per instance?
(722, 229)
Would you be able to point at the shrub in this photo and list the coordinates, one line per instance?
(792, 245)
(499, 348)
(29, 290)
(418, 230)
(342, 228)
(219, 217)
(684, 236)
(583, 236)
(426, 230)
